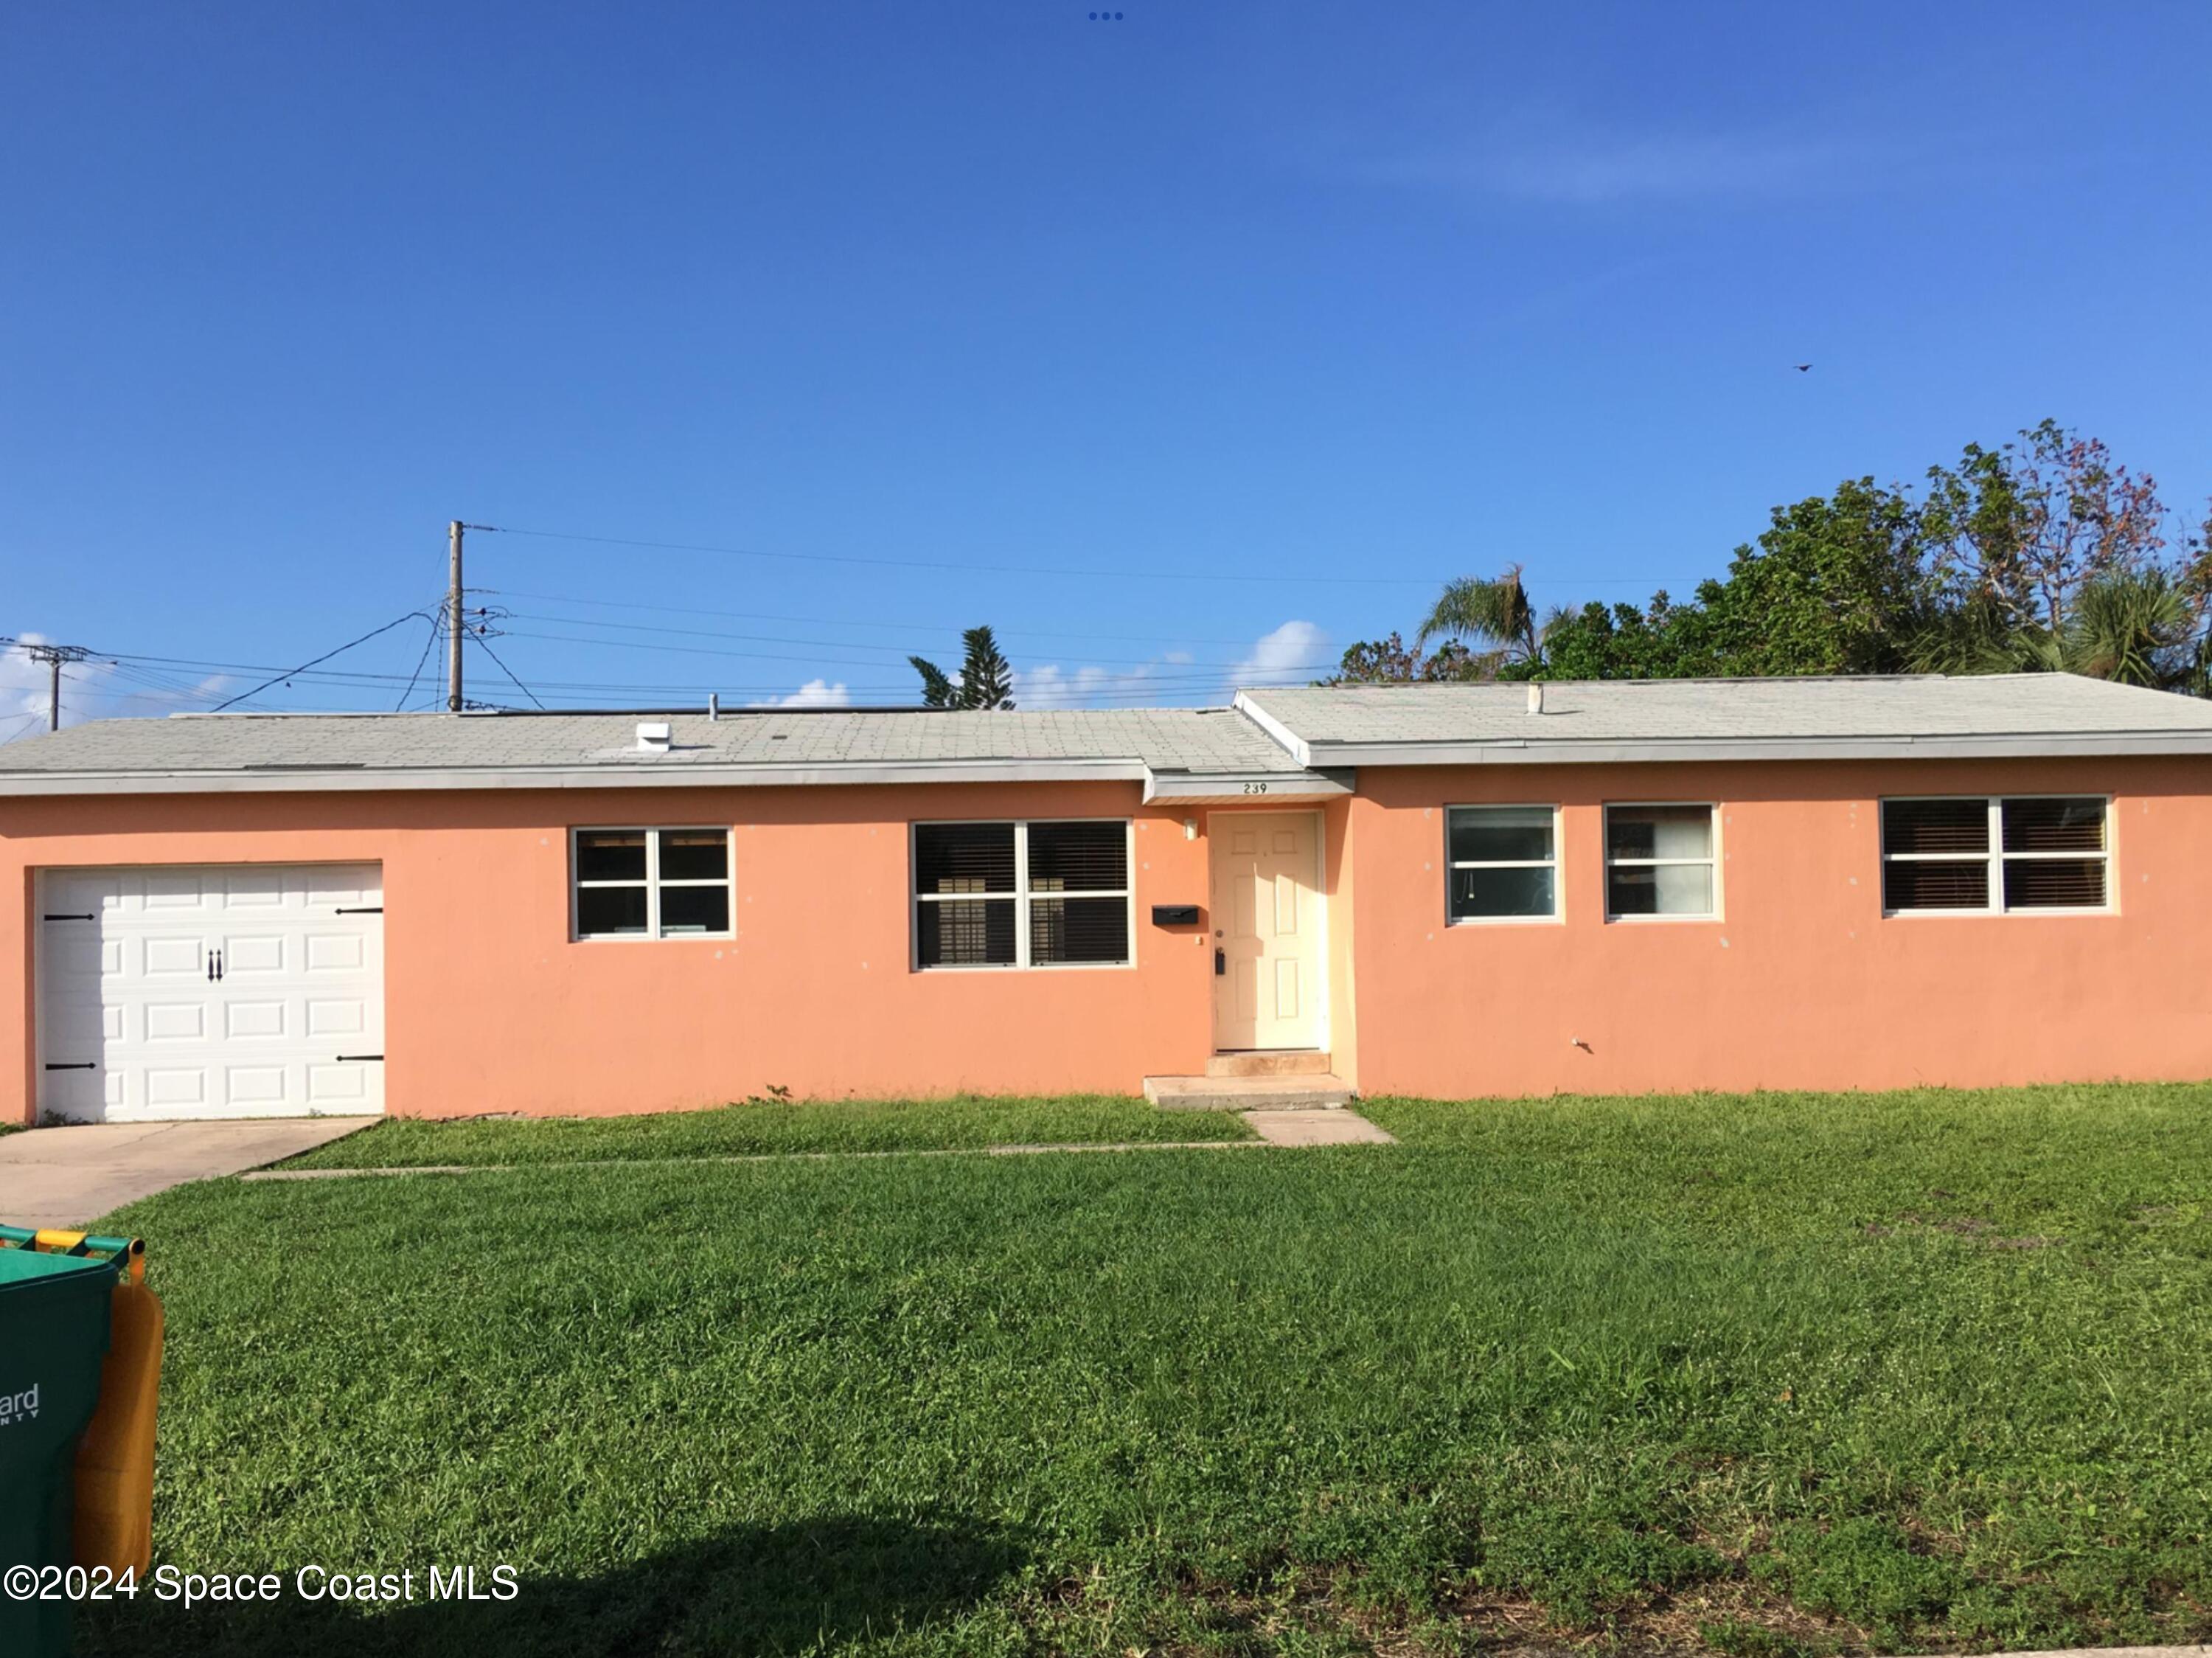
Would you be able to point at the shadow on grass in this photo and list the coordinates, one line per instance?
(769, 1590)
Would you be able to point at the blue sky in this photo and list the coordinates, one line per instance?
(1181, 347)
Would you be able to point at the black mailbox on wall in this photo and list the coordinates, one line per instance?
(1175, 915)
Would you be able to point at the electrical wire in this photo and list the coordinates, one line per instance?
(429, 645)
(503, 667)
(325, 657)
(1120, 574)
(984, 569)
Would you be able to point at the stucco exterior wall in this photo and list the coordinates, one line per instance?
(490, 1007)
(1801, 982)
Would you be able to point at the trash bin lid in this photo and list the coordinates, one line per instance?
(25, 1268)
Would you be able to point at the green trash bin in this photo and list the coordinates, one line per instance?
(53, 1335)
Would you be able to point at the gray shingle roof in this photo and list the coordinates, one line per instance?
(1275, 732)
(2017, 710)
(1217, 740)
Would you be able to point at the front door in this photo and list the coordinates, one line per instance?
(1267, 930)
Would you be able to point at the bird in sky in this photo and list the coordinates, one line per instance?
(1804, 368)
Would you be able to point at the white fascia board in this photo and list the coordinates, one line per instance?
(1538, 752)
(1218, 786)
(349, 780)
(1294, 745)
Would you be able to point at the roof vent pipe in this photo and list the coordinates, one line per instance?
(652, 736)
(1535, 697)
(713, 706)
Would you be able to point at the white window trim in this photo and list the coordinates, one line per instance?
(1995, 858)
(653, 883)
(1559, 885)
(1712, 861)
(1022, 897)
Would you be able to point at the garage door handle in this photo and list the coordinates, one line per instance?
(358, 1058)
(355, 909)
(81, 1065)
(1221, 964)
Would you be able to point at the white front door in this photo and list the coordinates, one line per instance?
(1267, 930)
(251, 989)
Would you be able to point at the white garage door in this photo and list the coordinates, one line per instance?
(216, 990)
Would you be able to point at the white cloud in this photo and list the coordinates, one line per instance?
(1292, 654)
(815, 693)
(1052, 687)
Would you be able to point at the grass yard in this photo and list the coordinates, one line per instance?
(772, 1126)
(1766, 1376)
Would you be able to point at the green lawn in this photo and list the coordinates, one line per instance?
(1783, 1374)
(772, 1126)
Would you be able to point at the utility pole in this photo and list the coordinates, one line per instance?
(454, 623)
(54, 656)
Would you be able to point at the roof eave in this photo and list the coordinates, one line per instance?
(1539, 751)
(1246, 788)
(660, 775)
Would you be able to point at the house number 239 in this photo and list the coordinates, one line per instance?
(1255, 788)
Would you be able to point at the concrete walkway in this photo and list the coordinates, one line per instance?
(1332, 1127)
(1327, 1125)
(64, 1177)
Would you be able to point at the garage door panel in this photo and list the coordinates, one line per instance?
(130, 991)
(334, 952)
(254, 1085)
(173, 957)
(250, 955)
(173, 890)
(340, 1088)
(172, 1021)
(341, 1015)
(253, 889)
(259, 1021)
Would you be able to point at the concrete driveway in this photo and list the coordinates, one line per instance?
(64, 1177)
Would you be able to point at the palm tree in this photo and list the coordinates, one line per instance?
(1492, 613)
(2134, 627)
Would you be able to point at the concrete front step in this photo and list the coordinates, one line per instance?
(1270, 1062)
(1246, 1093)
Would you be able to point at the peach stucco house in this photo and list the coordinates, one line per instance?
(1443, 890)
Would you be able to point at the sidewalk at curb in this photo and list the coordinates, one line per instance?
(756, 1157)
(1273, 1131)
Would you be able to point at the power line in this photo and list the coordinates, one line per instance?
(901, 651)
(505, 669)
(429, 645)
(950, 628)
(984, 569)
(1123, 575)
(325, 657)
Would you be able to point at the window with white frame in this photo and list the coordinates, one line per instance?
(1502, 862)
(1996, 854)
(651, 883)
(1659, 861)
(1044, 894)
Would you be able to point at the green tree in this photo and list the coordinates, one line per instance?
(987, 679)
(1393, 661)
(2041, 555)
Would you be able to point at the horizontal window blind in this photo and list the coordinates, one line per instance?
(1021, 894)
(1995, 855)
